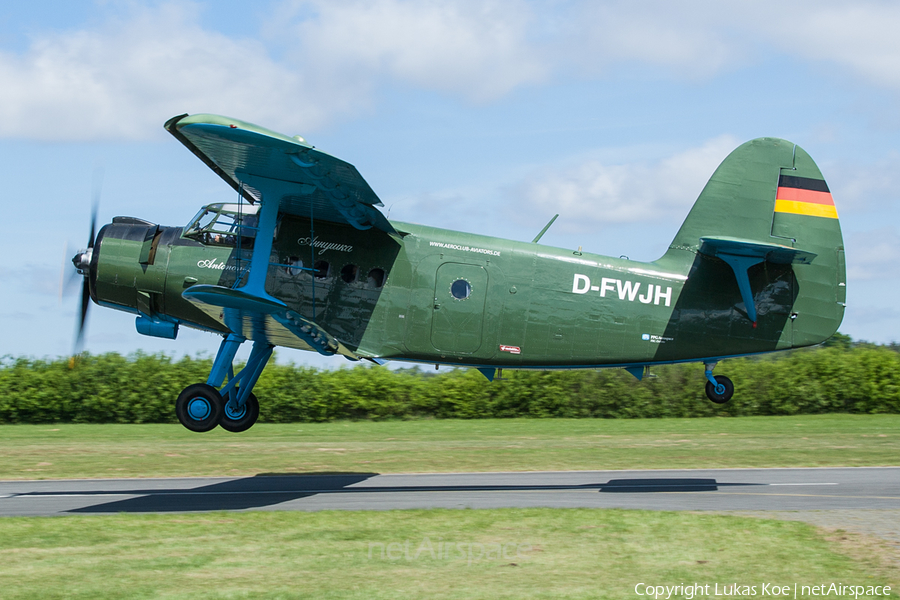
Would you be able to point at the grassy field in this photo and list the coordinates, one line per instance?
(436, 554)
(509, 553)
(81, 451)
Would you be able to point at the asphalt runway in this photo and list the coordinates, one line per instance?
(825, 489)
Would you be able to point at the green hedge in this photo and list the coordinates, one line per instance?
(141, 388)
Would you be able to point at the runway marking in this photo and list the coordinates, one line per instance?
(449, 489)
(794, 495)
(371, 489)
(87, 495)
(802, 484)
(147, 494)
(421, 491)
(378, 489)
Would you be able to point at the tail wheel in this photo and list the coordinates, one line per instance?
(199, 407)
(242, 419)
(722, 391)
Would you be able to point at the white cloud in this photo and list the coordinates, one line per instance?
(873, 255)
(472, 48)
(859, 36)
(123, 80)
(689, 39)
(592, 194)
(866, 188)
(320, 60)
(700, 38)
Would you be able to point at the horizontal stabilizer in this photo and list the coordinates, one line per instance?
(773, 253)
(741, 254)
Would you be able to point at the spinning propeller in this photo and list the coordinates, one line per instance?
(82, 262)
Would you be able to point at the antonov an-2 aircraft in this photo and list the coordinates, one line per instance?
(303, 259)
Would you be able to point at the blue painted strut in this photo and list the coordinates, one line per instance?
(741, 266)
(224, 358)
(259, 261)
(720, 389)
(247, 376)
(243, 382)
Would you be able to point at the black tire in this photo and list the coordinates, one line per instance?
(236, 423)
(720, 398)
(199, 407)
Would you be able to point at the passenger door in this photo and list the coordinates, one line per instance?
(458, 312)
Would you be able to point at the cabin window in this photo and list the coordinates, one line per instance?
(460, 289)
(349, 272)
(376, 278)
(295, 266)
(321, 269)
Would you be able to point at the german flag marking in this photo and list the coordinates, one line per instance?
(803, 183)
(798, 195)
(804, 196)
(806, 208)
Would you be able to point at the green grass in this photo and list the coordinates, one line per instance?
(76, 451)
(436, 554)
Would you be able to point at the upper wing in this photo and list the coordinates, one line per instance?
(260, 163)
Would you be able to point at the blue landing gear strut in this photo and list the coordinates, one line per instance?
(201, 406)
(719, 389)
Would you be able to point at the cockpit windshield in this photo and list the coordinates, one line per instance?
(224, 224)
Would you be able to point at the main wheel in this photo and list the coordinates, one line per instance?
(199, 407)
(242, 419)
(726, 389)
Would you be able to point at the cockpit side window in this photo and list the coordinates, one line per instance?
(225, 225)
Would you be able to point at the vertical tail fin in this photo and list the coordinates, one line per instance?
(768, 203)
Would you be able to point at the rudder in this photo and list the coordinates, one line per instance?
(805, 214)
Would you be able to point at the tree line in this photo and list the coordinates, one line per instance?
(840, 376)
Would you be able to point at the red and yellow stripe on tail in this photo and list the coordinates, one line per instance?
(804, 196)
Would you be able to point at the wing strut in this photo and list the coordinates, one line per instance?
(250, 304)
(262, 247)
(312, 257)
(741, 267)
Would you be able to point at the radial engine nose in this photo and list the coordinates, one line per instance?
(82, 261)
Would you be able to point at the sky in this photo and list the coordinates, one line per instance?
(487, 116)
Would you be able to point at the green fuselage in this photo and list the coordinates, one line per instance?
(525, 305)
(309, 262)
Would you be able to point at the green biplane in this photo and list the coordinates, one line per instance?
(303, 258)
